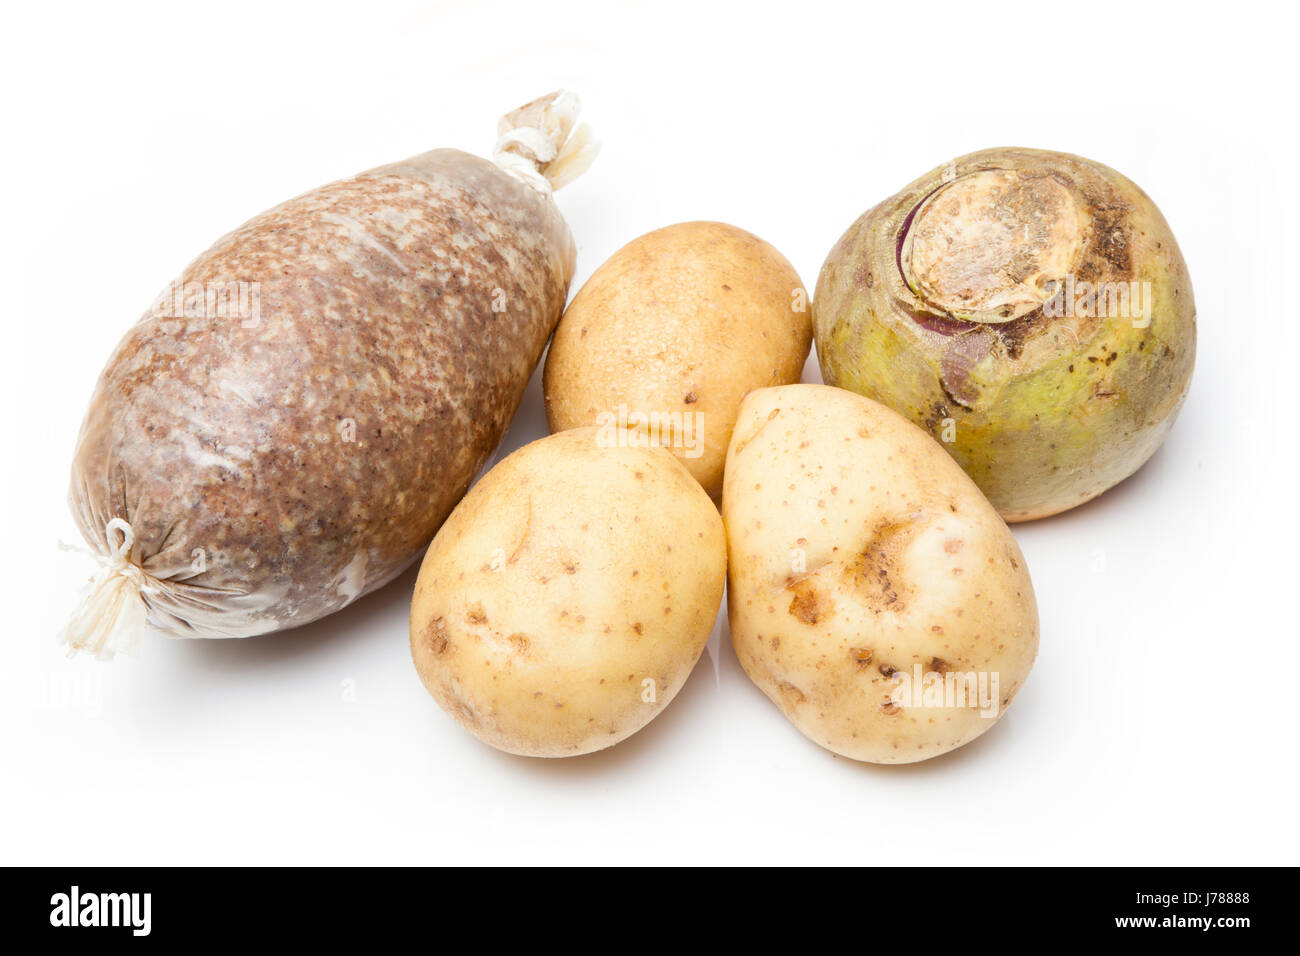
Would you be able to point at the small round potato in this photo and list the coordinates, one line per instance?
(874, 594)
(669, 335)
(566, 599)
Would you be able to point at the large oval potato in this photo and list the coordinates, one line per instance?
(566, 599)
(666, 338)
(874, 594)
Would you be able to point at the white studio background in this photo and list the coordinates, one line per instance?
(1159, 725)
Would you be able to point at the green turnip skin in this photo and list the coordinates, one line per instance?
(960, 303)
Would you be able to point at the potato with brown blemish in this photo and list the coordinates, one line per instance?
(874, 594)
(566, 599)
(667, 337)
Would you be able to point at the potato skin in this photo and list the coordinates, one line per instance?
(568, 579)
(857, 548)
(684, 320)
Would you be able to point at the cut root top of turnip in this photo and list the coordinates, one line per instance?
(992, 245)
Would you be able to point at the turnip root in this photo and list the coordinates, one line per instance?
(1030, 309)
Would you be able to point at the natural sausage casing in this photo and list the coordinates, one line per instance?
(290, 424)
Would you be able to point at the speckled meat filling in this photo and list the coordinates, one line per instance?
(276, 468)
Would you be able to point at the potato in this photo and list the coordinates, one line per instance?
(667, 337)
(566, 599)
(874, 594)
